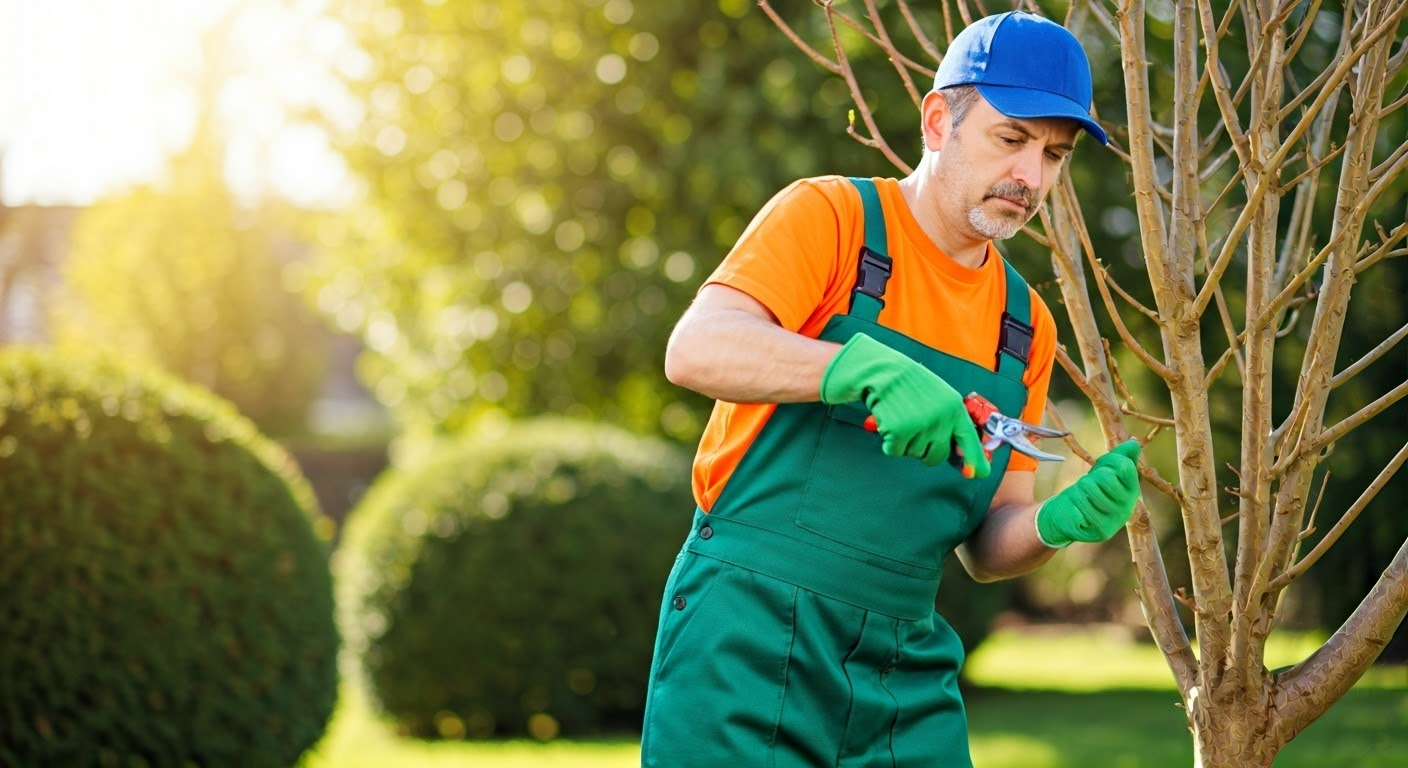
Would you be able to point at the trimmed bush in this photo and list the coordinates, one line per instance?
(512, 585)
(164, 599)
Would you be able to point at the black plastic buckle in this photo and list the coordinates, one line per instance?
(1015, 340)
(873, 273)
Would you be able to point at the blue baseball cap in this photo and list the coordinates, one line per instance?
(1025, 66)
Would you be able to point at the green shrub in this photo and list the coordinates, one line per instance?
(165, 599)
(512, 585)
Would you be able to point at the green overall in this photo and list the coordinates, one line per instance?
(798, 625)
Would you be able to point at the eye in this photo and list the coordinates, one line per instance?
(1009, 141)
(1055, 157)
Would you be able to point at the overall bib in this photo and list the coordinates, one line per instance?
(798, 627)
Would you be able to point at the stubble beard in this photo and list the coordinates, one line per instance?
(991, 227)
(1008, 223)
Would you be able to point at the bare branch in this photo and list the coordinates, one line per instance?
(1226, 189)
(1369, 358)
(1082, 383)
(1155, 594)
(1362, 415)
(796, 39)
(1155, 420)
(1216, 369)
(1216, 165)
(1221, 88)
(1233, 341)
(1304, 31)
(1384, 181)
(1135, 63)
(1385, 250)
(1102, 15)
(1397, 61)
(876, 139)
(1389, 163)
(1283, 298)
(1349, 516)
(918, 33)
(1395, 106)
(1298, 238)
(1302, 693)
(896, 56)
(1313, 168)
(1335, 75)
(889, 48)
(1059, 422)
(1103, 282)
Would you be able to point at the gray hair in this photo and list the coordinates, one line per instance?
(959, 99)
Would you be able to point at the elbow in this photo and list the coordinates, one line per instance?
(978, 568)
(681, 369)
(984, 576)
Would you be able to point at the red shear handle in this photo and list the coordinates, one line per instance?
(954, 457)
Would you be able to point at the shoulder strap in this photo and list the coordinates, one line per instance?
(874, 266)
(1014, 345)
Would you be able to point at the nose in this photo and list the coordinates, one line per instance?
(1029, 167)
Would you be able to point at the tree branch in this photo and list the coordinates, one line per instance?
(1314, 166)
(1350, 515)
(1369, 358)
(1233, 340)
(1216, 165)
(827, 64)
(1362, 415)
(895, 58)
(1334, 76)
(1221, 89)
(918, 33)
(1302, 693)
(1102, 282)
(876, 138)
(1134, 59)
(1306, 26)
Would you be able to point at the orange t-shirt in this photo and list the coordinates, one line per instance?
(798, 258)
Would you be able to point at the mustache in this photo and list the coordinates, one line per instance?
(1014, 191)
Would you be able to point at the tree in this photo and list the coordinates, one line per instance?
(183, 274)
(545, 186)
(1266, 135)
(188, 279)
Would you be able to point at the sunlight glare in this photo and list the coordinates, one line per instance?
(96, 95)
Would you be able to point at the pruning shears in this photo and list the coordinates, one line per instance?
(995, 428)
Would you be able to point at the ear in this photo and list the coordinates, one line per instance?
(935, 120)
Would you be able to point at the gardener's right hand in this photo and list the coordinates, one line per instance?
(916, 413)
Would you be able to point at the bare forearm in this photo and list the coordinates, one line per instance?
(735, 356)
(1005, 545)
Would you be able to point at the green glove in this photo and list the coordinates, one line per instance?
(917, 413)
(1096, 506)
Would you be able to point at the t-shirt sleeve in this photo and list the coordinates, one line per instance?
(787, 257)
(1037, 377)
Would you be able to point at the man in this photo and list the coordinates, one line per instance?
(798, 624)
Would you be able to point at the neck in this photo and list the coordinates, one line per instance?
(926, 199)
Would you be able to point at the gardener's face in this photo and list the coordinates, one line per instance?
(995, 170)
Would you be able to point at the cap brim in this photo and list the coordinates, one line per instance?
(1025, 103)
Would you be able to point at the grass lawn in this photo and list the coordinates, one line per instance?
(1086, 699)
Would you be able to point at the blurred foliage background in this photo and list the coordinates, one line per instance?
(523, 199)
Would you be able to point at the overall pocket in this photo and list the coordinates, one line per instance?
(895, 510)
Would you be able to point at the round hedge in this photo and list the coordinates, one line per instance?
(511, 585)
(165, 599)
